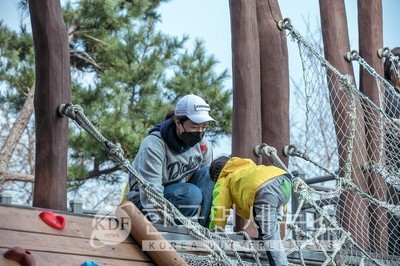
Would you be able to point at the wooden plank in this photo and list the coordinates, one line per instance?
(141, 229)
(18, 224)
(45, 258)
(28, 220)
(70, 245)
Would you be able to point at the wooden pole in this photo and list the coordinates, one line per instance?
(141, 229)
(370, 39)
(274, 78)
(246, 131)
(52, 88)
(353, 209)
(274, 81)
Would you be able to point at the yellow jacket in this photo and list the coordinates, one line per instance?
(237, 184)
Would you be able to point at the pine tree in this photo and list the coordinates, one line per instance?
(126, 75)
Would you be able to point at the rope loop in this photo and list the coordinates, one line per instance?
(383, 52)
(350, 56)
(115, 148)
(284, 24)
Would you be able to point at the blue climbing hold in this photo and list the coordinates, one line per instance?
(89, 263)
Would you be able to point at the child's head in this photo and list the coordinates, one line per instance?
(216, 167)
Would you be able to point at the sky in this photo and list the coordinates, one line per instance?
(209, 20)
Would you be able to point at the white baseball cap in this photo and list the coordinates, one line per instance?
(194, 108)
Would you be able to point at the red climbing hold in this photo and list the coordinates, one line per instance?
(55, 221)
(20, 255)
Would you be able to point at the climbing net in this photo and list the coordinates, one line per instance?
(346, 210)
(347, 153)
(228, 253)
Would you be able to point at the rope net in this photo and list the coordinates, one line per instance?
(217, 246)
(348, 207)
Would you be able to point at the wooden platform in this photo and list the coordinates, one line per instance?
(22, 226)
(71, 246)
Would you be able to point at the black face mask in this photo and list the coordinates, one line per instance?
(191, 138)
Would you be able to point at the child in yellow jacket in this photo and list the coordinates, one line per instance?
(256, 190)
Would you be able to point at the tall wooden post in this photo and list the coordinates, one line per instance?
(353, 209)
(260, 82)
(246, 131)
(370, 39)
(52, 89)
(274, 77)
(274, 81)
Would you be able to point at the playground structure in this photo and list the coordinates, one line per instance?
(346, 245)
(22, 227)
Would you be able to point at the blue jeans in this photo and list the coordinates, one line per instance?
(268, 202)
(194, 198)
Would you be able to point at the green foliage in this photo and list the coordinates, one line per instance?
(125, 74)
(194, 73)
(16, 67)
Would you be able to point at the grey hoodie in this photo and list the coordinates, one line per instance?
(163, 160)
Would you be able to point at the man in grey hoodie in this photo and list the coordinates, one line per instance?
(174, 158)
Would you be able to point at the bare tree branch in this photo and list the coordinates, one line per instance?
(16, 131)
(97, 173)
(9, 176)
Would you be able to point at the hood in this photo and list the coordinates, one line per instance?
(167, 130)
(234, 164)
